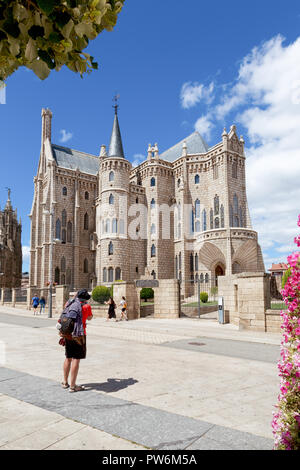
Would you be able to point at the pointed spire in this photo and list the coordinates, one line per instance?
(116, 146)
(8, 202)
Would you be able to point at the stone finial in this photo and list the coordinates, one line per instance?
(242, 140)
(149, 152)
(156, 155)
(103, 151)
(233, 128)
(184, 149)
(224, 133)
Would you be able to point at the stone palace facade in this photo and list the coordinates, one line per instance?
(179, 214)
(10, 247)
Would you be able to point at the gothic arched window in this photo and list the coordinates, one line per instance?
(197, 226)
(64, 191)
(231, 215)
(110, 248)
(63, 218)
(197, 209)
(206, 278)
(222, 217)
(85, 266)
(110, 274)
(234, 170)
(235, 204)
(197, 179)
(191, 262)
(69, 232)
(201, 277)
(104, 276)
(216, 205)
(217, 222)
(204, 226)
(63, 235)
(111, 199)
(86, 196)
(211, 219)
(107, 226)
(118, 274)
(56, 275)
(63, 264)
(111, 176)
(86, 221)
(152, 205)
(196, 262)
(114, 226)
(152, 182)
(153, 229)
(153, 251)
(179, 264)
(57, 229)
(178, 182)
(153, 274)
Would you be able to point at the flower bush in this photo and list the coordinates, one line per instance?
(286, 420)
(43, 35)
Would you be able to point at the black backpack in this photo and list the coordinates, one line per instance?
(67, 323)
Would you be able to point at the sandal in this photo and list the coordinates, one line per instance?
(77, 388)
(65, 385)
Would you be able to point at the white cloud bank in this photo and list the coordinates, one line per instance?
(65, 136)
(265, 99)
(193, 93)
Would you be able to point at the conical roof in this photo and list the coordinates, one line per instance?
(116, 146)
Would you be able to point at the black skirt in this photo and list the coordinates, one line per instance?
(76, 348)
(111, 311)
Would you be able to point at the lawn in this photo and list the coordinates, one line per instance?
(195, 304)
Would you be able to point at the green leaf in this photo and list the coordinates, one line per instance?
(47, 6)
(36, 31)
(55, 37)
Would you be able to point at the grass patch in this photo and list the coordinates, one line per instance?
(195, 304)
(278, 306)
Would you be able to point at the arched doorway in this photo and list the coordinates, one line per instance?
(219, 271)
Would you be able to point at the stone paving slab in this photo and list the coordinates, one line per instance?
(147, 426)
(240, 349)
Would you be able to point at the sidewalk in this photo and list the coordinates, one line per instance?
(152, 383)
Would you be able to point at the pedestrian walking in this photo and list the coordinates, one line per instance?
(75, 344)
(123, 305)
(42, 305)
(35, 303)
(111, 309)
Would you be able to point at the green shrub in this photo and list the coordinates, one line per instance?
(204, 297)
(214, 291)
(285, 277)
(101, 294)
(147, 293)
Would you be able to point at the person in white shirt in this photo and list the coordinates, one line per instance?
(123, 305)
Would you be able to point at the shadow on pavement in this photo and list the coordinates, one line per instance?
(112, 385)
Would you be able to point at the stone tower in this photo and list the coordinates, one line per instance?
(10, 247)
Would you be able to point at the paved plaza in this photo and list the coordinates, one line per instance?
(150, 384)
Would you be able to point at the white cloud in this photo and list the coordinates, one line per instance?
(193, 93)
(26, 253)
(65, 136)
(138, 158)
(204, 126)
(265, 99)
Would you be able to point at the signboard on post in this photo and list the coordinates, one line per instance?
(147, 283)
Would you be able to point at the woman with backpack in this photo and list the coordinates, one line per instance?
(76, 312)
(111, 309)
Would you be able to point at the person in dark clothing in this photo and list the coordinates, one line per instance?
(111, 309)
(42, 304)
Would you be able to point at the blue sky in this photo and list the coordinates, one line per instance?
(178, 66)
